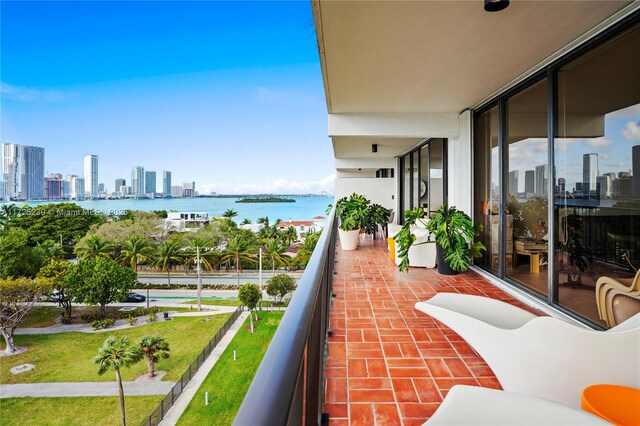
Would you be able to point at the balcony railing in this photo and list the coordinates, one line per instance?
(289, 385)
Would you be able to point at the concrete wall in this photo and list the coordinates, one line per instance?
(460, 156)
(380, 191)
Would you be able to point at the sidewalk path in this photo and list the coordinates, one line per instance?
(84, 389)
(174, 413)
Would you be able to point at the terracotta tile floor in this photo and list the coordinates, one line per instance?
(390, 364)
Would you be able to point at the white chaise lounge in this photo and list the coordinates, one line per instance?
(541, 356)
(474, 406)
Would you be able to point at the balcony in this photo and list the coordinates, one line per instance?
(383, 362)
(389, 363)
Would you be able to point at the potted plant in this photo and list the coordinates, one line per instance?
(453, 232)
(376, 215)
(352, 211)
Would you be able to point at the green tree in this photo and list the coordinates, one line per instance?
(230, 213)
(136, 250)
(245, 221)
(275, 253)
(153, 349)
(8, 212)
(17, 298)
(99, 281)
(279, 286)
(56, 274)
(17, 258)
(115, 354)
(168, 254)
(239, 248)
(93, 247)
(250, 295)
(55, 220)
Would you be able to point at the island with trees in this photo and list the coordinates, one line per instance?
(266, 200)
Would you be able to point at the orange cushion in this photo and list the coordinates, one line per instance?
(616, 404)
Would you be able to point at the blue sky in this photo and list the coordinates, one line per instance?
(228, 94)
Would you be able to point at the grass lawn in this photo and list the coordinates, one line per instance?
(66, 357)
(44, 316)
(75, 411)
(224, 302)
(229, 380)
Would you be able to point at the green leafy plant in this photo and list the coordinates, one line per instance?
(376, 215)
(352, 212)
(451, 228)
(132, 319)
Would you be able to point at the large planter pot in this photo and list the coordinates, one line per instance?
(443, 268)
(349, 239)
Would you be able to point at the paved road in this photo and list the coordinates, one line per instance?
(181, 279)
(38, 390)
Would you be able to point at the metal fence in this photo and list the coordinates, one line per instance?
(289, 385)
(161, 410)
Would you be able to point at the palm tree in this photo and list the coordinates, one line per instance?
(153, 348)
(263, 221)
(52, 251)
(229, 213)
(93, 247)
(275, 253)
(239, 248)
(290, 235)
(113, 355)
(135, 250)
(245, 221)
(168, 254)
(208, 256)
(8, 212)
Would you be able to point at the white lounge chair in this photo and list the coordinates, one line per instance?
(540, 356)
(474, 406)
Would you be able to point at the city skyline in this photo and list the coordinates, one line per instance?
(131, 80)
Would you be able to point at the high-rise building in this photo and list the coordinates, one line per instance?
(166, 183)
(529, 181)
(137, 181)
(604, 186)
(54, 187)
(150, 182)
(23, 170)
(119, 184)
(635, 168)
(176, 191)
(77, 187)
(541, 180)
(589, 173)
(562, 185)
(91, 175)
(513, 182)
(189, 189)
(4, 190)
(100, 188)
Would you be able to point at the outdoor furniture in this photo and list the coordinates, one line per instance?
(422, 253)
(616, 404)
(605, 284)
(534, 259)
(621, 305)
(540, 356)
(471, 405)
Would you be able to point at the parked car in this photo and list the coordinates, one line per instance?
(135, 298)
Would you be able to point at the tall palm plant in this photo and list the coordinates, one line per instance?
(52, 251)
(93, 247)
(207, 254)
(153, 349)
(230, 213)
(168, 254)
(275, 253)
(135, 250)
(115, 354)
(239, 248)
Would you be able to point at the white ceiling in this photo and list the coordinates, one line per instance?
(438, 56)
(360, 147)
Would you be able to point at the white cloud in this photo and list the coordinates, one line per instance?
(631, 131)
(597, 142)
(26, 94)
(277, 186)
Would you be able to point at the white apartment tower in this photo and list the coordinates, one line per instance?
(137, 181)
(91, 175)
(23, 170)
